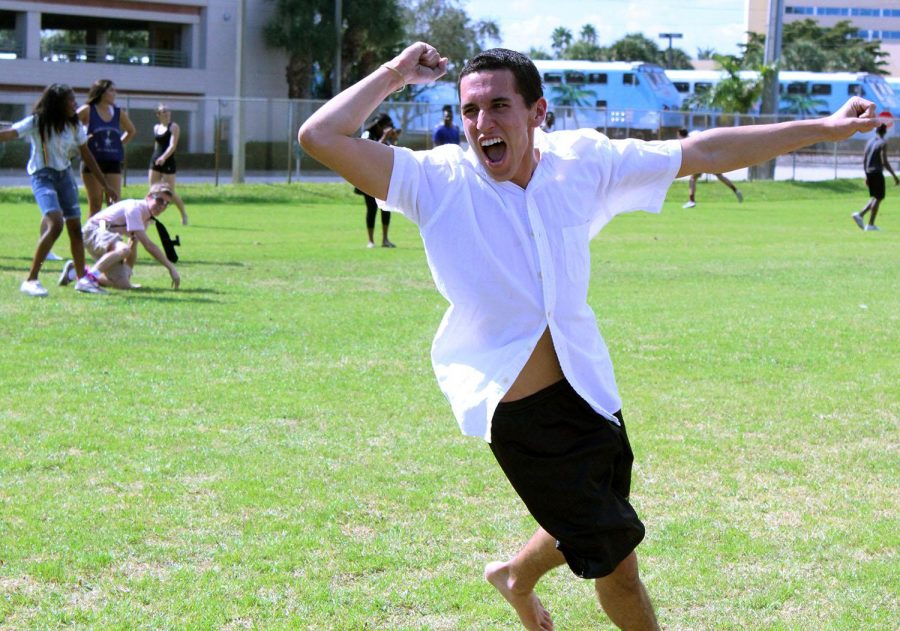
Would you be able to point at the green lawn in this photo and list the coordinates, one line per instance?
(267, 447)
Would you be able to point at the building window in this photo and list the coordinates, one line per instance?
(682, 86)
(574, 77)
(832, 11)
(821, 89)
(890, 34)
(793, 10)
(597, 77)
(865, 12)
(552, 77)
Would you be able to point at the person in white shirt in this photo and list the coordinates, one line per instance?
(115, 258)
(506, 227)
(55, 135)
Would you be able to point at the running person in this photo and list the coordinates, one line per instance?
(54, 134)
(506, 227)
(875, 161)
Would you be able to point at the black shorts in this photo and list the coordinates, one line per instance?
(875, 181)
(572, 468)
(167, 167)
(106, 166)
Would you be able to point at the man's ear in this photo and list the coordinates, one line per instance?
(539, 112)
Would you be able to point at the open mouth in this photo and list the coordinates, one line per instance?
(494, 149)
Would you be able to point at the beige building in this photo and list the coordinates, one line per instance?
(190, 60)
(876, 20)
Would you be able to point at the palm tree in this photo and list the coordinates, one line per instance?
(573, 96)
(589, 34)
(561, 39)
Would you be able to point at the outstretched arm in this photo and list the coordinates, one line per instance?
(729, 148)
(328, 135)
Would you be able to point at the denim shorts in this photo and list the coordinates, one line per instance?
(56, 191)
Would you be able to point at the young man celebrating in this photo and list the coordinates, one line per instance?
(114, 257)
(506, 227)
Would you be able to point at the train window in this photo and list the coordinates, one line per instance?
(600, 105)
(854, 89)
(682, 86)
(701, 87)
(574, 77)
(597, 77)
(552, 77)
(822, 89)
(796, 88)
(629, 78)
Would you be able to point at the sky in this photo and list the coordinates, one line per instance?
(717, 24)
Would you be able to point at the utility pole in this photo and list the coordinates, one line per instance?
(770, 96)
(338, 38)
(670, 37)
(238, 156)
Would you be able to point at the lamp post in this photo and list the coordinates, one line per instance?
(670, 37)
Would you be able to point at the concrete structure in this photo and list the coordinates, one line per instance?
(876, 20)
(191, 61)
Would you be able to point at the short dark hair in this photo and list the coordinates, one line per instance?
(528, 79)
(882, 129)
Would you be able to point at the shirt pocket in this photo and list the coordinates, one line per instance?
(576, 250)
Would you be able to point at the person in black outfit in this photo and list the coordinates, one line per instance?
(875, 160)
(162, 162)
(380, 129)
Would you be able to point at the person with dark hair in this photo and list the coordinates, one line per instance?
(162, 163)
(875, 161)
(54, 134)
(692, 184)
(506, 227)
(109, 129)
(446, 132)
(549, 122)
(380, 129)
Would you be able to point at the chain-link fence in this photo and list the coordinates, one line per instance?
(225, 140)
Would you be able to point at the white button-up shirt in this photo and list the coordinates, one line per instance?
(511, 262)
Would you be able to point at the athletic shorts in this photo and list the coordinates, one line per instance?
(168, 167)
(56, 191)
(106, 166)
(572, 468)
(875, 181)
(97, 240)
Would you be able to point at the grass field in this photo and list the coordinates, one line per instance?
(267, 447)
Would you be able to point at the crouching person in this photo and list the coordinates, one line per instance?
(104, 235)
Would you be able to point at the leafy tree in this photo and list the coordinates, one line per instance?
(588, 34)
(539, 53)
(561, 39)
(732, 94)
(807, 46)
(304, 29)
(445, 25)
(638, 47)
(804, 105)
(705, 53)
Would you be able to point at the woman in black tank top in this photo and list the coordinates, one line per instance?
(162, 162)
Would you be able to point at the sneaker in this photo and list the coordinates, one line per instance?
(871, 228)
(689, 205)
(53, 257)
(33, 288)
(68, 274)
(739, 195)
(387, 244)
(859, 220)
(370, 245)
(88, 285)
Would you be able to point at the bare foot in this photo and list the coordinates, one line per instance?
(531, 612)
